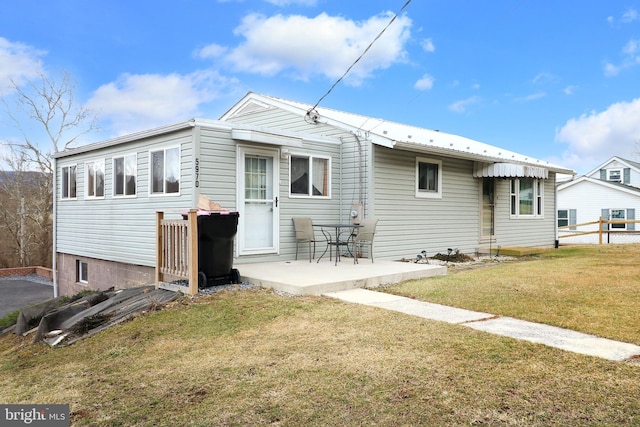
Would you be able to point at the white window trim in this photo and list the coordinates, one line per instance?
(310, 158)
(86, 180)
(113, 176)
(537, 182)
(617, 226)
(566, 218)
(428, 194)
(164, 180)
(620, 175)
(80, 267)
(68, 167)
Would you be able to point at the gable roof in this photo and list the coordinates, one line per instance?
(391, 134)
(629, 163)
(616, 186)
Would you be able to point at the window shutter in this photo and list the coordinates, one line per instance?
(603, 174)
(605, 215)
(626, 175)
(631, 215)
(573, 213)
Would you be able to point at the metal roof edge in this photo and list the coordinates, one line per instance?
(212, 124)
(125, 138)
(481, 158)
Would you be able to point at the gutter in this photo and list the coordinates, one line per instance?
(54, 258)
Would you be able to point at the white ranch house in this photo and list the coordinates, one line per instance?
(272, 159)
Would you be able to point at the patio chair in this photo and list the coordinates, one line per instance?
(305, 234)
(363, 237)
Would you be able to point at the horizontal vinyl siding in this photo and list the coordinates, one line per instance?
(407, 224)
(320, 210)
(120, 229)
(218, 177)
(589, 199)
(523, 231)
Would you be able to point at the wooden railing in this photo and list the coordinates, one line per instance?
(600, 230)
(177, 250)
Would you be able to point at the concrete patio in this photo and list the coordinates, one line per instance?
(302, 277)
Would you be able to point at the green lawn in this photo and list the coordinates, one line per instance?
(257, 358)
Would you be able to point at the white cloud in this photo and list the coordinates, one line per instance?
(18, 62)
(462, 105)
(570, 90)
(135, 102)
(593, 138)
(611, 70)
(425, 83)
(629, 16)
(427, 45)
(532, 97)
(324, 45)
(630, 58)
(543, 78)
(211, 51)
(631, 48)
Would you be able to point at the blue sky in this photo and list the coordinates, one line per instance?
(559, 81)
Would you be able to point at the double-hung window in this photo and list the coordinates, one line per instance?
(563, 217)
(626, 215)
(618, 215)
(125, 175)
(94, 173)
(310, 176)
(526, 196)
(428, 178)
(165, 171)
(68, 182)
(615, 175)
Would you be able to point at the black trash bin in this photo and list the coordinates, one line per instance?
(216, 231)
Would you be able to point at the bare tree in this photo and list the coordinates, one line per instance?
(48, 119)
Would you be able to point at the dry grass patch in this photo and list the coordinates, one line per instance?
(255, 358)
(592, 289)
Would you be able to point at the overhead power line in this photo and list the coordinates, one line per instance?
(359, 58)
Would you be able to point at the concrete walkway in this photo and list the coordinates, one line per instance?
(551, 336)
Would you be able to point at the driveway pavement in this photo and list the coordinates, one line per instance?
(19, 292)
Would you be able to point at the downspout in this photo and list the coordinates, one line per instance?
(341, 195)
(556, 243)
(54, 258)
(360, 173)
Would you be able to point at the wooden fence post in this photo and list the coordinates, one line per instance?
(600, 231)
(193, 251)
(159, 218)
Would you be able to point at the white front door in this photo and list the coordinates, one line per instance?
(258, 201)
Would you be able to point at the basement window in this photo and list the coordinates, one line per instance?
(82, 271)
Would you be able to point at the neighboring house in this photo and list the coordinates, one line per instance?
(271, 160)
(610, 191)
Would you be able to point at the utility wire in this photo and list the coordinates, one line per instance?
(360, 57)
